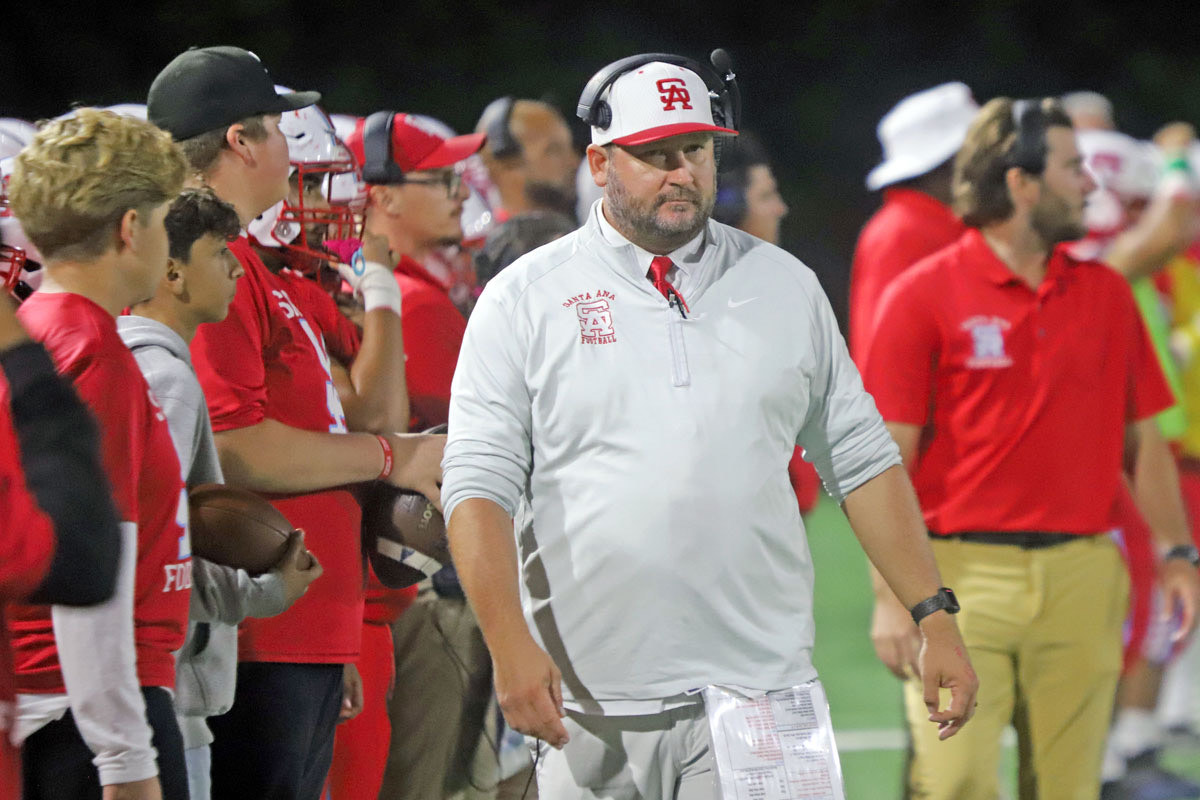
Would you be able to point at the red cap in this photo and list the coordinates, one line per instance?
(416, 147)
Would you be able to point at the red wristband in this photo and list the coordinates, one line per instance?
(387, 457)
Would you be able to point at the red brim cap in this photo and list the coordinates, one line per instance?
(451, 151)
(665, 131)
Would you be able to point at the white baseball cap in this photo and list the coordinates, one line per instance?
(654, 101)
(921, 132)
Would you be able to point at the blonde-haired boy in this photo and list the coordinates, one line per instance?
(94, 706)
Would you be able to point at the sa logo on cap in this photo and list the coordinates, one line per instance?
(672, 91)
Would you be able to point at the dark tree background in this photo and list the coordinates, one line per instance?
(815, 77)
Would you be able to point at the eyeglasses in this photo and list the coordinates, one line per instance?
(449, 179)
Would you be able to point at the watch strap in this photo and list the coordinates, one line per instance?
(944, 600)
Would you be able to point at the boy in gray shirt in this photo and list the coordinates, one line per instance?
(200, 283)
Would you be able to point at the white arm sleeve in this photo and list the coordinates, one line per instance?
(843, 435)
(98, 658)
(489, 448)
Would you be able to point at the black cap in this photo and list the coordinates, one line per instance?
(207, 88)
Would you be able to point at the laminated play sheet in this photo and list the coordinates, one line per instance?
(774, 746)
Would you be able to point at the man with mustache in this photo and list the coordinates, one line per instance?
(641, 383)
(1046, 386)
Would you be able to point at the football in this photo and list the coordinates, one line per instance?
(404, 536)
(236, 528)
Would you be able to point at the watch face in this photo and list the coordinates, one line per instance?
(952, 606)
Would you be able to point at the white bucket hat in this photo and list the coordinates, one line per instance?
(655, 101)
(921, 132)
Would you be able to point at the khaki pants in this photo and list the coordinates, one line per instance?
(665, 756)
(442, 693)
(1043, 628)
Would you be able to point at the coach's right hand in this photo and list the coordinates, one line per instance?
(529, 688)
(147, 789)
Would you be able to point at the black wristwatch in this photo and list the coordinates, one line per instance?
(1184, 551)
(944, 600)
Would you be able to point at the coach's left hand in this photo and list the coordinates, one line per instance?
(946, 665)
(1180, 584)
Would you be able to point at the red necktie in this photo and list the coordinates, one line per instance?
(659, 267)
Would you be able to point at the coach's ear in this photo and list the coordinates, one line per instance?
(597, 159)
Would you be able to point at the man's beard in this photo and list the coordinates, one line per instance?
(648, 231)
(1052, 222)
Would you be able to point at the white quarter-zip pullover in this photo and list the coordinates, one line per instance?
(665, 550)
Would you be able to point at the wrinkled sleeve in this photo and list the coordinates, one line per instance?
(489, 449)
(843, 435)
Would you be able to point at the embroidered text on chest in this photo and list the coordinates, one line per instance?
(594, 312)
(987, 342)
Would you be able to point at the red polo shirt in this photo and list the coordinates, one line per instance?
(1025, 392)
(909, 226)
(433, 333)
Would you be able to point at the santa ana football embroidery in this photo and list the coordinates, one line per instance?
(594, 312)
(987, 342)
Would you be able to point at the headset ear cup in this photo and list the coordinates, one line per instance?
(602, 115)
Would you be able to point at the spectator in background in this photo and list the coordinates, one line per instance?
(1000, 327)
(747, 195)
(443, 676)
(1089, 111)
(920, 136)
(529, 157)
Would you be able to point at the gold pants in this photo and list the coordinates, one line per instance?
(1043, 628)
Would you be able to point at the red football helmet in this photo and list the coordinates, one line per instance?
(20, 261)
(327, 195)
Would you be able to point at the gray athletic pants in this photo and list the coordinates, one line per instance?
(664, 756)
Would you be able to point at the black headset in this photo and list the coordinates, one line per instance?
(723, 91)
(1030, 122)
(378, 165)
(495, 121)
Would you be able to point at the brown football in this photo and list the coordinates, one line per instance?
(403, 535)
(236, 528)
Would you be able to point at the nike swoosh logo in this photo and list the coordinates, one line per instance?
(735, 303)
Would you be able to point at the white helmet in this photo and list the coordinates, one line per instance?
(321, 161)
(20, 261)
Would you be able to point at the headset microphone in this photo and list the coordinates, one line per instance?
(724, 66)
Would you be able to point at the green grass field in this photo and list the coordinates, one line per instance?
(863, 695)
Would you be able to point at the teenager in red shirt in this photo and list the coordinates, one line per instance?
(59, 539)
(1015, 379)
(269, 380)
(99, 226)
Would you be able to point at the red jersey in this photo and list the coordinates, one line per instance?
(271, 359)
(433, 333)
(1026, 392)
(26, 548)
(381, 605)
(909, 226)
(143, 470)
